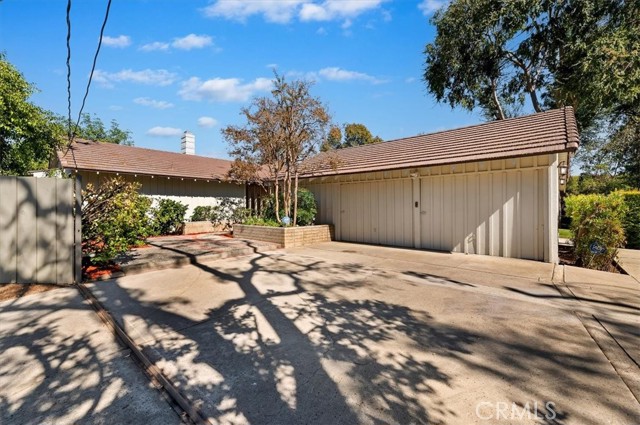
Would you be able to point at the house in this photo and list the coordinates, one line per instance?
(191, 179)
(490, 189)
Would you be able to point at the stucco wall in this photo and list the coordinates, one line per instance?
(189, 192)
(505, 208)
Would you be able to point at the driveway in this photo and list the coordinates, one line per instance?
(344, 334)
(60, 365)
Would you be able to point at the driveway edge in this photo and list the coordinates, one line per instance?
(157, 378)
(624, 365)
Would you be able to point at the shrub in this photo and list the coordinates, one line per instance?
(306, 208)
(228, 212)
(202, 213)
(596, 221)
(259, 221)
(631, 222)
(114, 218)
(168, 216)
(225, 214)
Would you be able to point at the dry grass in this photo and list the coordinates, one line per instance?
(10, 291)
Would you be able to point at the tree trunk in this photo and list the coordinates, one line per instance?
(534, 100)
(499, 110)
(277, 200)
(295, 200)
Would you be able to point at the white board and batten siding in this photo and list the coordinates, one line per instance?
(504, 208)
(190, 192)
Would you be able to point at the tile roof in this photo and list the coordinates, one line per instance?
(546, 132)
(88, 155)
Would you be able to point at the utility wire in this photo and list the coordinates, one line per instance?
(69, 133)
(93, 67)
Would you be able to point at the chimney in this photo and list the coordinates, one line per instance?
(188, 144)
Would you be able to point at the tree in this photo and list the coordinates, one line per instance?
(92, 128)
(28, 134)
(358, 135)
(503, 56)
(354, 135)
(334, 139)
(281, 132)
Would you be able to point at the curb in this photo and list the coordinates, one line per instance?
(151, 370)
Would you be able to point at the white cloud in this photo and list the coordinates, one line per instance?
(429, 7)
(284, 11)
(338, 74)
(192, 41)
(222, 89)
(337, 9)
(278, 11)
(156, 45)
(119, 41)
(321, 31)
(157, 104)
(207, 122)
(154, 77)
(164, 132)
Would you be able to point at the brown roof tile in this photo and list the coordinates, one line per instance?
(109, 157)
(546, 132)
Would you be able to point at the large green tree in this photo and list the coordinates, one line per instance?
(504, 56)
(92, 128)
(28, 133)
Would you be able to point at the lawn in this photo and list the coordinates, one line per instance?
(565, 233)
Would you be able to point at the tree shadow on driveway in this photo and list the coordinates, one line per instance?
(308, 341)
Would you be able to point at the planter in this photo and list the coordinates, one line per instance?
(191, 227)
(287, 237)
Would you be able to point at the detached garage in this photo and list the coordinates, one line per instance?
(490, 189)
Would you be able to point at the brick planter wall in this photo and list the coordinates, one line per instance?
(190, 227)
(287, 237)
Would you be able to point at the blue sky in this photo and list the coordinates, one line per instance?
(169, 66)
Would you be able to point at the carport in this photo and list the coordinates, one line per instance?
(490, 189)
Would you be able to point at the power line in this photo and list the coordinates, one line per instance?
(93, 67)
(69, 134)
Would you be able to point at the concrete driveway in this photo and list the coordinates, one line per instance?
(59, 364)
(346, 334)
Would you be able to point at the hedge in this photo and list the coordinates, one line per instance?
(631, 222)
(596, 223)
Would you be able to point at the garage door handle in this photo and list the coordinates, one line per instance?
(423, 212)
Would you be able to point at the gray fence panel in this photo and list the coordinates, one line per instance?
(64, 230)
(46, 249)
(39, 235)
(27, 207)
(8, 230)
(78, 231)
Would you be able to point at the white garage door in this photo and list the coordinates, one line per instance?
(497, 214)
(492, 213)
(379, 212)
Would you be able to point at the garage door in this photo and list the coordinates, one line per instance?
(491, 213)
(498, 214)
(379, 212)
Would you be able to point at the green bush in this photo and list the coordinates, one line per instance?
(596, 220)
(114, 218)
(259, 221)
(307, 208)
(202, 213)
(168, 216)
(631, 222)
